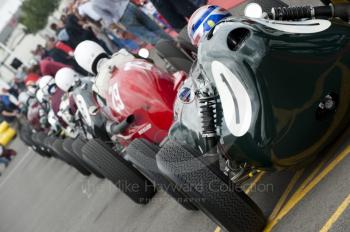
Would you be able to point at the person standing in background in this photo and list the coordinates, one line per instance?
(61, 32)
(120, 38)
(176, 12)
(8, 109)
(77, 33)
(123, 13)
(86, 9)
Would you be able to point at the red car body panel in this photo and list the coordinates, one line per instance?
(141, 89)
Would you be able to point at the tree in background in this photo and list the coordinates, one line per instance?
(35, 13)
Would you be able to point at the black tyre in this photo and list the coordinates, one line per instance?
(51, 146)
(172, 55)
(143, 155)
(57, 148)
(77, 146)
(40, 139)
(38, 145)
(48, 141)
(73, 159)
(119, 171)
(25, 134)
(222, 201)
(34, 145)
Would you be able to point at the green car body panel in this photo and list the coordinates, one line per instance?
(287, 76)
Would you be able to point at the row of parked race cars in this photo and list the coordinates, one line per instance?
(260, 93)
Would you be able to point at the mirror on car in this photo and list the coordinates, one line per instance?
(253, 10)
(144, 53)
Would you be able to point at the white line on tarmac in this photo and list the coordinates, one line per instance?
(15, 168)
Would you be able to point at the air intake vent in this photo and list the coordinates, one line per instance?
(236, 38)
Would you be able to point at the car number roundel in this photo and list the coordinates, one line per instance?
(235, 100)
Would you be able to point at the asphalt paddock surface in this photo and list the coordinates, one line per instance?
(46, 195)
(42, 194)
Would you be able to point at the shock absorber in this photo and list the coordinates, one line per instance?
(208, 117)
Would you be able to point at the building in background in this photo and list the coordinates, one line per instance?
(15, 44)
(9, 15)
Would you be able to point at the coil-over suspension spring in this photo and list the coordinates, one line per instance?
(208, 111)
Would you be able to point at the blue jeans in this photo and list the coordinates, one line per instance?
(128, 44)
(139, 24)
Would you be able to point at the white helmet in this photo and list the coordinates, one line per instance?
(65, 78)
(32, 90)
(44, 81)
(46, 84)
(40, 96)
(87, 54)
(23, 98)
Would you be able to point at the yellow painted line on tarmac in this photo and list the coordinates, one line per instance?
(255, 182)
(218, 229)
(311, 176)
(282, 200)
(336, 215)
(297, 197)
(285, 194)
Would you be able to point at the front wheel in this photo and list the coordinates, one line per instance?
(210, 190)
(77, 146)
(143, 155)
(25, 134)
(115, 168)
(76, 162)
(39, 146)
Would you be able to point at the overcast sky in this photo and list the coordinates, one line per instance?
(7, 9)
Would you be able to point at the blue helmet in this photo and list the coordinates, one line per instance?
(203, 20)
